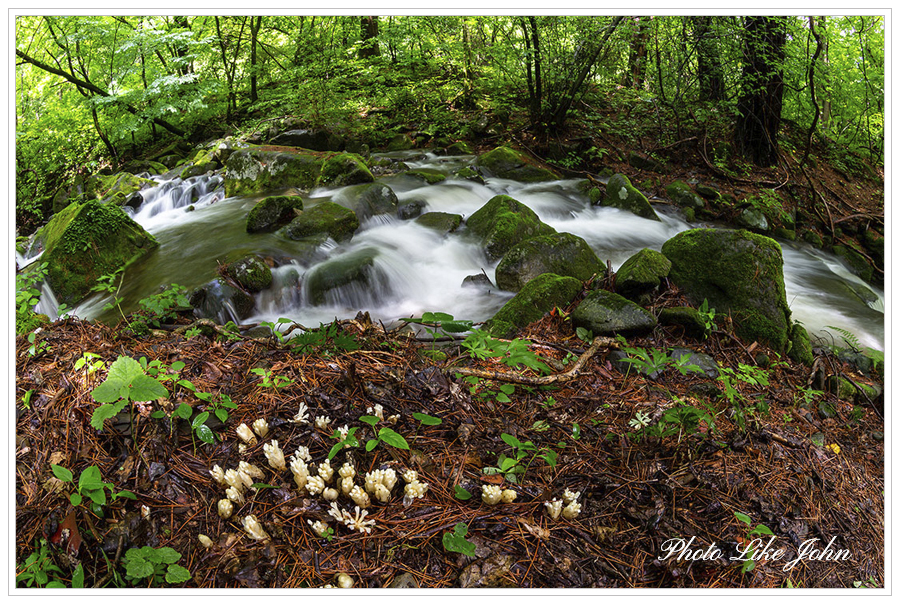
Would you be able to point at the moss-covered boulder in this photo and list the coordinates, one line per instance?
(858, 263)
(197, 169)
(457, 148)
(681, 194)
(344, 169)
(431, 177)
(411, 208)
(467, 173)
(440, 221)
(645, 162)
(642, 273)
(605, 313)
(86, 241)
(273, 212)
(621, 194)
(258, 169)
(504, 162)
(539, 296)
(685, 317)
(504, 222)
(739, 273)
(801, 348)
(326, 217)
(368, 200)
(117, 188)
(220, 301)
(251, 273)
(354, 269)
(562, 254)
(753, 219)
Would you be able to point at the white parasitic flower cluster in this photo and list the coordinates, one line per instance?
(303, 453)
(300, 471)
(377, 411)
(253, 528)
(315, 485)
(225, 509)
(275, 456)
(246, 434)
(355, 522)
(360, 497)
(344, 581)
(218, 475)
(302, 416)
(326, 471)
(567, 507)
(322, 422)
(319, 528)
(261, 427)
(491, 494)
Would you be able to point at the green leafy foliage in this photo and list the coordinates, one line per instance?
(760, 529)
(440, 322)
(39, 570)
(271, 381)
(327, 340)
(427, 420)
(165, 305)
(154, 565)
(524, 453)
(124, 383)
(90, 485)
(457, 542)
(388, 437)
(349, 440)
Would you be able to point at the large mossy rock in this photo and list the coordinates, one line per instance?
(621, 194)
(273, 212)
(858, 263)
(440, 221)
(739, 273)
(356, 268)
(317, 140)
(344, 169)
(562, 254)
(326, 217)
(504, 162)
(87, 241)
(258, 169)
(801, 348)
(251, 273)
(431, 177)
(605, 313)
(504, 222)
(539, 296)
(642, 273)
(685, 317)
(117, 188)
(218, 300)
(682, 195)
(368, 200)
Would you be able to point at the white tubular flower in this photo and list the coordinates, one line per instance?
(343, 431)
(315, 485)
(360, 497)
(218, 474)
(571, 511)
(246, 434)
(358, 522)
(261, 427)
(254, 528)
(246, 479)
(373, 478)
(553, 508)
(225, 509)
(337, 513)
(377, 411)
(322, 422)
(302, 416)
(233, 479)
(302, 453)
(250, 470)
(393, 419)
(491, 494)
(414, 490)
(234, 495)
(507, 496)
(330, 494)
(569, 496)
(389, 478)
(242, 448)
(205, 541)
(410, 476)
(347, 470)
(347, 485)
(275, 456)
(326, 471)
(344, 581)
(382, 493)
(300, 471)
(319, 528)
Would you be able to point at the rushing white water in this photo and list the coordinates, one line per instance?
(416, 269)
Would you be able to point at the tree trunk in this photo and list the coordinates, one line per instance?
(637, 55)
(255, 24)
(369, 47)
(762, 89)
(709, 62)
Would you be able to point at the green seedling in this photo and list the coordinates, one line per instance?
(38, 570)
(154, 565)
(457, 542)
(124, 383)
(761, 529)
(270, 381)
(90, 485)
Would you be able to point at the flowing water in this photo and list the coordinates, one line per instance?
(418, 269)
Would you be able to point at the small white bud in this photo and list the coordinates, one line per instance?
(377, 411)
(315, 485)
(343, 431)
(393, 419)
(382, 493)
(571, 511)
(300, 472)
(275, 456)
(553, 508)
(344, 581)
(347, 471)
(414, 490)
(218, 474)
(330, 494)
(373, 478)
(410, 476)
(261, 427)
(246, 435)
(389, 478)
(491, 494)
(326, 471)
(250, 470)
(347, 485)
(145, 512)
(360, 497)
(322, 422)
(570, 496)
(245, 478)
(302, 416)
(319, 528)
(205, 541)
(233, 479)
(254, 528)
(507, 496)
(302, 453)
(234, 495)
(225, 509)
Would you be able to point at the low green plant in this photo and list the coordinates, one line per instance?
(385, 435)
(90, 362)
(37, 347)
(349, 440)
(524, 453)
(90, 485)
(457, 542)
(326, 341)
(440, 323)
(39, 570)
(682, 420)
(639, 421)
(761, 529)
(230, 332)
(107, 284)
(26, 398)
(747, 374)
(165, 305)
(708, 316)
(154, 565)
(271, 381)
(461, 493)
(125, 382)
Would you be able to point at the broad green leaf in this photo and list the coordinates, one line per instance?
(75, 499)
(124, 370)
(369, 419)
(90, 476)
(125, 494)
(371, 444)
(137, 566)
(502, 398)
(392, 438)
(761, 529)
(108, 391)
(222, 415)
(511, 440)
(78, 577)
(205, 434)
(98, 496)
(183, 411)
(200, 420)
(62, 473)
(456, 541)
(177, 366)
(167, 555)
(461, 493)
(177, 574)
(427, 420)
(456, 326)
(55, 585)
(145, 388)
(743, 518)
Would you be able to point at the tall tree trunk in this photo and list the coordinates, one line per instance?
(824, 90)
(762, 89)
(369, 47)
(637, 55)
(709, 62)
(180, 50)
(536, 47)
(255, 24)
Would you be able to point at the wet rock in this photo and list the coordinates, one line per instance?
(355, 268)
(409, 209)
(686, 317)
(273, 212)
(753, 219)
(429, 176)
(605, 313)
(503, 222)
(250, 273)
(539, 296)
(219, 301)
(317, 140)
(468, 173)
(368, 200)
(504, 162)
(683, 196)
(404, 581)
(642, 273)
(458, 148)
(254, 170)
(479, 280)
(621, 194)
(737, 272)
(801, 348)
(857, 262)
(706, 364)
(326, 217)
(841, 387)
(440, 221)
(707, 191)
(562, 254)
(344, 169)
(198, 169)
(491, 572)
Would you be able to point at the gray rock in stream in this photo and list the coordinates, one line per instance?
(605, 314)
(356, 268)
(368, 200)
(217, 300)
(621, 194)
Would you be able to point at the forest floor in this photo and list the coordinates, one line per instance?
(777, 460)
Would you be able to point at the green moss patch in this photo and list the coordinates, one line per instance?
(273, 212)
(504, 162)
(344, 169)
(606, 313)
(642, 273)
(440, 221)
(539, 296)
(621, 194)
(562, 254)
(327, 217)
(264, 168)
(503, 222)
